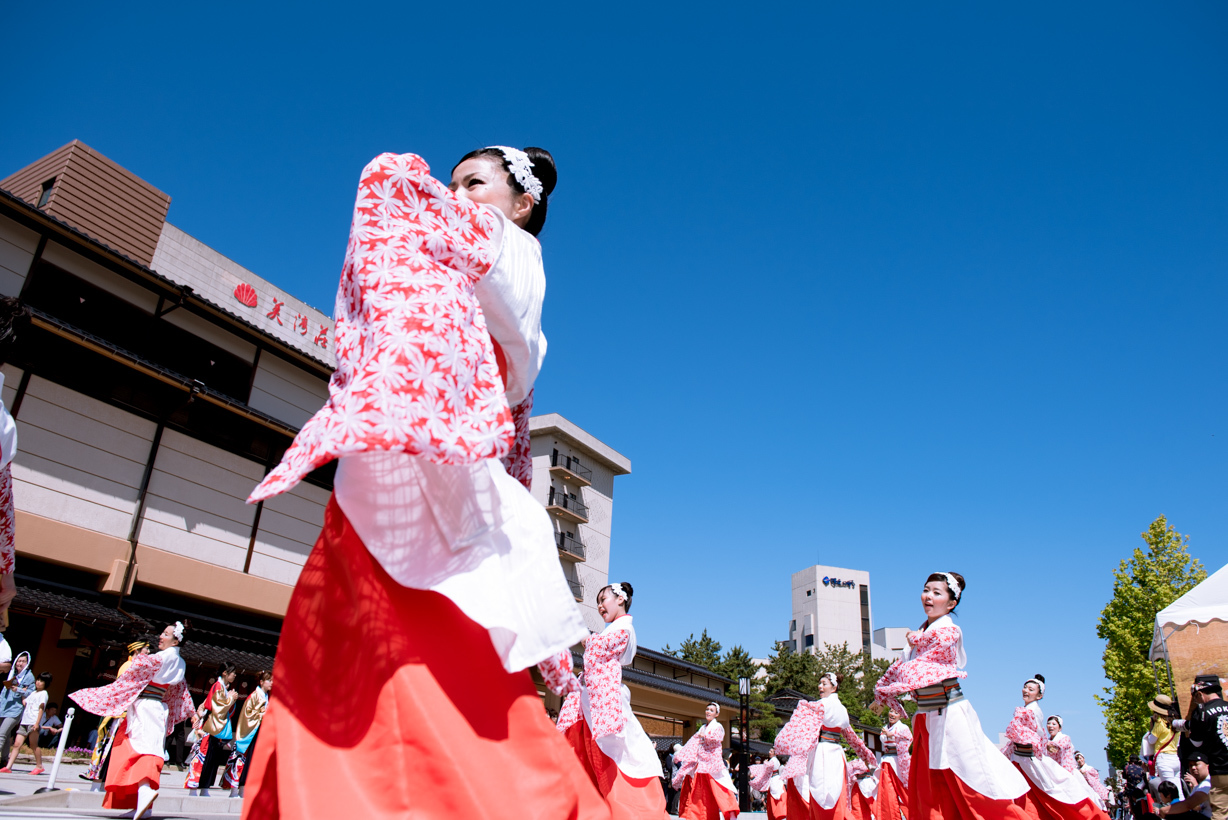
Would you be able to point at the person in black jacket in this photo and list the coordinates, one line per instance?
(1208, 731)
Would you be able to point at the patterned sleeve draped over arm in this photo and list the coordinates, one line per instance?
(801, 733)
(933, 661)
(603, 677)
(1023, 730)
(416, 369)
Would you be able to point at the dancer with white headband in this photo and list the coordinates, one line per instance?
(436, 582)
(153, 696)
(892, 796)
(1057, 793)
(814, 733)
(956, 771)
(707, 790)
(767, 780)
(596, 716)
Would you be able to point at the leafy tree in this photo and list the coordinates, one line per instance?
(705, 652)
(1151, 580)
(737, 664)
(787, 669)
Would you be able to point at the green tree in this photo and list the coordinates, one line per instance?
(705, 652)
(787, 669)
(738, 663)
(1152, 579)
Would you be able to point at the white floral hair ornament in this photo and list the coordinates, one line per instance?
(178, 630)
(831, 676)
(522, 169)
(1039, 683)
(952, 584)
(1058, 718)
(619, 592)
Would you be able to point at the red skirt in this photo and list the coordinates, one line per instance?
(703, 799)
(375, 678)
(938, 794)
(127, 771)
(859, 804)
(1050, 808)
(777, 807)
(795, 804)
(628, 798)
(891, 802)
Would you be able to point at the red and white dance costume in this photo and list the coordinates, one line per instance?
(1057, 793)
(1065, 756)
(707, 791)
(8, 512)
(796, 775)
(1093, 779)
(435, 581)
(892, 798)
(597, 721)
(813, 733)
(152, 696)
(956, 773)
(766, 779)
(863, 789)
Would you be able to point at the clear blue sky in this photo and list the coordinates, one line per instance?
(899, 287)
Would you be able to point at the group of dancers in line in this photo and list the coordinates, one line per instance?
(435, 585)
(143, 705)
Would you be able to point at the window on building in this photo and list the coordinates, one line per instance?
(792, 627)
(45, 196)
(865, 618)
(809, 640)
(809, 592)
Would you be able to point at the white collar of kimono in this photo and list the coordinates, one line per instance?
(624, 622)
(522, 169)
(13, 668)
(961, 659)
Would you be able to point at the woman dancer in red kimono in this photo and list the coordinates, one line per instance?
(152, 696)
(707, 790)
(435, 583)
(956, 772)
(1057, 793)
(863, 789)
(766, 779)
(596, 716)
(1093, 779)
(814, 733)
(892, 798)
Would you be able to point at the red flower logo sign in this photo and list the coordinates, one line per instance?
(246, 294)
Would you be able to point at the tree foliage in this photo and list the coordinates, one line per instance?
(787, 669)
(1149, 581)
(704, 651)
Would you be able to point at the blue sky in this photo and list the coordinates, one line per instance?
(897, 287)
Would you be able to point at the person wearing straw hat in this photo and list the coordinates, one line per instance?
(1164, 740)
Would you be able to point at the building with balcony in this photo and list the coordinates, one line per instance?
(573, 476)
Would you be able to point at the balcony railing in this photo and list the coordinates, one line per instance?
(570, 467)
(576, 590)
(565, 506)
(571, 545)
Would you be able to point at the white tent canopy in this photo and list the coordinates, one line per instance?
(1203, 604)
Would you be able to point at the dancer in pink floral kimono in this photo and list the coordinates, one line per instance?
(153, 696)
(892, 797)
(956, 772)
(436, 570)
(766, 779)
(596, 716)
(814, 733)
(1093, 779)
(1057, 793)
(707, 790)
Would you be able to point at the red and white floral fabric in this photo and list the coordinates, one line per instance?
(1024, 730)
(761, 774)
(1093, 779)
(1065, 752)
(702, 755)
(8, 522)
(519, 460)
(800, 735)
(114, 699)
(416, 370)
(933, 655)
(899, 734)
(558, 673)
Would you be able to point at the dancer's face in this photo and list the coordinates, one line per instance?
(1031, 692)
(483, 179)
(1079, 760)
(826, 687)
(610, 606)
(710, 713)
(936, 600)
(167, 639)
(893, 716)
(1054, 728)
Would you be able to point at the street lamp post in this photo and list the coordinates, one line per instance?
(744, 769)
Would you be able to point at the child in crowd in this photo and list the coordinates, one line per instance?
(52, 726)
(31, 723)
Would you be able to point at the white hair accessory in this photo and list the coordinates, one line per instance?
(1058, 718)
(619, 592)
(1039, 683)
(952, 584)
(831, 676)
(522, 169)
(178, 631)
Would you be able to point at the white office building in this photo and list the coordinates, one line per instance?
(832, 606)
